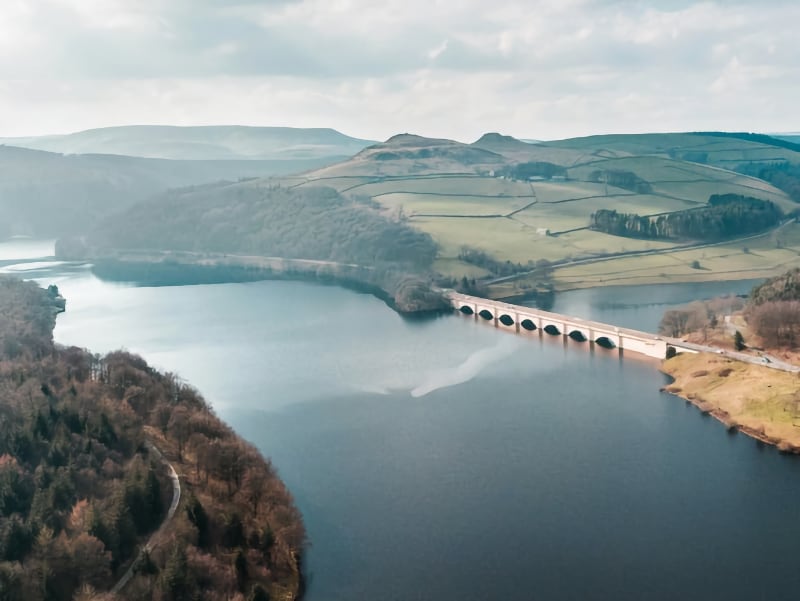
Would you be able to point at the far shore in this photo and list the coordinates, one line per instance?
(181, 269)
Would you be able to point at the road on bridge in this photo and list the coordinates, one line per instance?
(763, 360)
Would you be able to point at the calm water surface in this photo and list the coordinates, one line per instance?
(447, 460)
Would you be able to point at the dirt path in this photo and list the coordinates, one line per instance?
(154, 538)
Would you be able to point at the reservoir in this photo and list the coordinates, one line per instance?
(443, 459)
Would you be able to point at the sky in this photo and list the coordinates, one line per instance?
(541, 69)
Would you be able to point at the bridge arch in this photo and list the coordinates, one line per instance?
(605, 342)
(578, 336)
(527, 319)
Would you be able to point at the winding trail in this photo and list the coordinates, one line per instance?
(153, 540)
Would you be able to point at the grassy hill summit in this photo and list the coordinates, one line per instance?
(208, 143)
(500, 142)
(409, 153)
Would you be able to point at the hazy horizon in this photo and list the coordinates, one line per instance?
(346, 133)
(538, 70)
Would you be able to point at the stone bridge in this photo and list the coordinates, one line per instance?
(522, 320)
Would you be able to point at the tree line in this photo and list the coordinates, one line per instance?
(725, 216)
(773, 310)
(480, 258)
(783, 175)
(533, 169)
(627, 180)
(699, 316)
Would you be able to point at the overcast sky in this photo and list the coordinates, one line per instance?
(372, 68)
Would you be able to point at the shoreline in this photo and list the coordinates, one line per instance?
(172, 270)
(753, 410)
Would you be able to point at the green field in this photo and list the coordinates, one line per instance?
(563, 216)
(449, 186)
(421, 204)
(721, 151)
(765, 255)
(338, 183)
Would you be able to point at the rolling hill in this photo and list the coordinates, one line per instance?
(207, 143)
(452, 190)
(722, 149)
(47, 194)
(501, 207)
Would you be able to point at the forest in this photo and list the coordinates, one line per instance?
(783, 175)
(258, 219)
(725, 216)
(268, 220)
(627, 180)
(534, 169)
(83, 485)
(773, 310)
(699, 316)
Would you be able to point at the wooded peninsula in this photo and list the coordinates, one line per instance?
(88, 445)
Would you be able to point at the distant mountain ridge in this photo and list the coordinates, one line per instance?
(49, 194)
(212, 142)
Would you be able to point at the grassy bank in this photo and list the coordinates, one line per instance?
(761, 402)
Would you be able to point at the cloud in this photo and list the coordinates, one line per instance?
(532, 68)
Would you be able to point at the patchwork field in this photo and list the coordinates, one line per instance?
(722, 151)
(449, 190)
(465, 206)
(760, 256)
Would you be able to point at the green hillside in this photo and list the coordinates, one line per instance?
(314, 229)
(502, 207)
(47, 194)
(463, 198)
(714, 148)
(210, 143)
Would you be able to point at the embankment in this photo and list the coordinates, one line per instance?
(760, 402)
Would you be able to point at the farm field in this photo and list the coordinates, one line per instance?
(687, 190)
(565, 215)
(457, 185)
(722, 151)
(467, 206)
(761, 256)
(340, 184)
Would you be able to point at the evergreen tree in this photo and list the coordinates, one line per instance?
(738, 341)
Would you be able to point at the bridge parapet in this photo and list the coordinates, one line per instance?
(527, 319)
